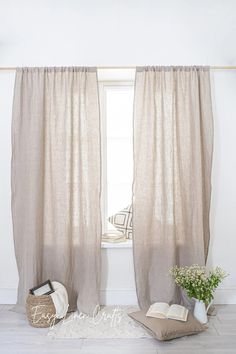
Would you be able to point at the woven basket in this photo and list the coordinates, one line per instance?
(41, 311)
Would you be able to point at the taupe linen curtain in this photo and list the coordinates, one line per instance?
(173, 138)
(56, 178)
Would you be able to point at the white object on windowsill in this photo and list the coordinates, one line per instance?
(113, 237)
(122, 245)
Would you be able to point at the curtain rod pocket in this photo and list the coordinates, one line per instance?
(57, 69)
(172, 68)
(214, 67)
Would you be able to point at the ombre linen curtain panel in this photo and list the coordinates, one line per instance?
(56, 182)
(173, 139)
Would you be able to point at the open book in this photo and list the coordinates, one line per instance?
(163, 310)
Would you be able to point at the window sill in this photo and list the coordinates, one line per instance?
(127, 244)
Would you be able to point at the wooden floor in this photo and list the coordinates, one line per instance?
(16, 336)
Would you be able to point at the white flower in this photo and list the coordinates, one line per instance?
(197, 281)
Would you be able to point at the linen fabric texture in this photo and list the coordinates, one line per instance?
(173, 141)
(56, 182)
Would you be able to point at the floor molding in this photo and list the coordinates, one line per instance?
(108, 296)
(8, 295)
(118, 297)
(224, 295)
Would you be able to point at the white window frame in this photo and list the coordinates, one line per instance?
(102, 96)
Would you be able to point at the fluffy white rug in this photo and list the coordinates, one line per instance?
(110, 322)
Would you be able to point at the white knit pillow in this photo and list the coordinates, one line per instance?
(123, 221)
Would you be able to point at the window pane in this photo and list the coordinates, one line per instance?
(119, 130)
(119, 111)
(119, 197)
(119, 160)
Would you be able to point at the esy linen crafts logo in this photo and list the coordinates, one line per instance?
(114, 316)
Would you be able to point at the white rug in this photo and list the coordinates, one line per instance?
(110, 322)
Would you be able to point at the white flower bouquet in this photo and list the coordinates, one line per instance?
(197, 281)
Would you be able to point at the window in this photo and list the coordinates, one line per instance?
(117, 147)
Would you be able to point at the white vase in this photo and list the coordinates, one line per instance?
(200, 311)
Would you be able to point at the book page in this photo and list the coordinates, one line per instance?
(177, 312)
(158, 310)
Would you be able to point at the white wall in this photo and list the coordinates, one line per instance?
(126, 32)
(223, 205)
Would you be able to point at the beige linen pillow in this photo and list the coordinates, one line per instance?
(165, 329)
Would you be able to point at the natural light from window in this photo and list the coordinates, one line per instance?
(118, 116)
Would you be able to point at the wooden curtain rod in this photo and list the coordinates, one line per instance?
(129, 67)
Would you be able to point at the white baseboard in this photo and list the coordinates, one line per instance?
(8, 296)
(108, 296)
(225, 295)
(118, 297)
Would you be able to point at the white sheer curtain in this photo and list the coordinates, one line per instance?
(56, 179)
(173, 138)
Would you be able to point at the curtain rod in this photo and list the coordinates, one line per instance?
(216, 67)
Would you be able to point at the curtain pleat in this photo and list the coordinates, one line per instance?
(56, 181)
(173, 139)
